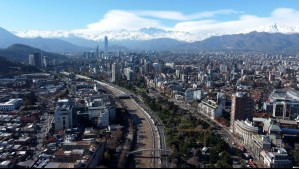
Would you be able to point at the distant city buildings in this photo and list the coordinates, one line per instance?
(31, 60)
(37, 60)
(129, 74)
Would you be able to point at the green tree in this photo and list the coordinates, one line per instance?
(30, 99)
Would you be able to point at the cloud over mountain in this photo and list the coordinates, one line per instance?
(128, 25)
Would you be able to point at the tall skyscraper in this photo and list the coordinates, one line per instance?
(106, 45)
(31, 60)
(115, 72)
(38, 59)
(97, 52)
(45, 61)
(242, 108)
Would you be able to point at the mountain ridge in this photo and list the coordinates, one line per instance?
(151, 33)
(20, 53)
(50, 45)
(257, 40)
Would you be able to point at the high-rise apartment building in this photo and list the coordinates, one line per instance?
(38, 59)
(31, 60)
(115, 72)
(242, 108)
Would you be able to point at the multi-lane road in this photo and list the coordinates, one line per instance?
(151, 131)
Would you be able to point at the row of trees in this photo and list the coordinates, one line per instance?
(183, 142)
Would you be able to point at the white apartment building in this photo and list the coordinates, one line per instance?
(245, 130)
(96, 109)
(210, 108)
(64, 115)
(12, 104)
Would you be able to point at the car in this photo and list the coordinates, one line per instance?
(236, 162)
(246, 156)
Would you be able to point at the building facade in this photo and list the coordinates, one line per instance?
(245, 130)
(115, 72)
(277, 159)
(210, 108)
(12, 104)
(64, 115)
(242, 107)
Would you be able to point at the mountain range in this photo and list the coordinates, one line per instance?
(269, 37)
(48, 44)
(253, 41)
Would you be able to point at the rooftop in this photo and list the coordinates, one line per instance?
(247, 125)
(53, 165)
(11, 102)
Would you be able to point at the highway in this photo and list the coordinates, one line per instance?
(150, 134)
(158, 123)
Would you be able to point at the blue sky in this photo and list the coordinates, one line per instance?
(171, 14)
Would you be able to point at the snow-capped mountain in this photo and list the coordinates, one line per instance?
(149, 33)
(133, 39)
(274, 28)
(141, 34)
(43, 34)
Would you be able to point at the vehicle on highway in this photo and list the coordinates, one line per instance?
(246, 156)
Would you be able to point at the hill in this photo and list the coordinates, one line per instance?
(20, 52)
(6, 67)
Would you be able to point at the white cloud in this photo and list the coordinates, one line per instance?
(285, 16)
(201, 23)
(174, 15)
(117, 20)
(134, 20)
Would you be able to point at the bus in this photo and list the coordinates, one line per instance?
(251, 163)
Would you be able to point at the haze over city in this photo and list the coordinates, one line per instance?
(149, 84)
